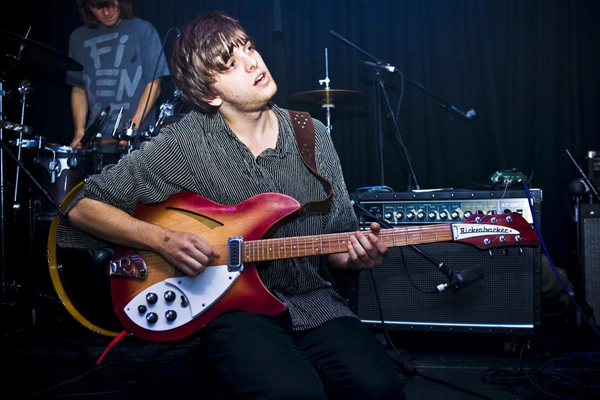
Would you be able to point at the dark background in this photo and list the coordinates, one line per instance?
(530, 69)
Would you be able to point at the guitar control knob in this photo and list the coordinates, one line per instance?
(151, 318)
(151, 298)
(170, 296)
(399, 215)
(171, 315)
(142, 309)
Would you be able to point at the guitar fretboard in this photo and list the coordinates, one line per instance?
(303, 246)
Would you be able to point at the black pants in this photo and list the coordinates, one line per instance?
(257, 356)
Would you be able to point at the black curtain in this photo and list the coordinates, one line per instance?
(529, 69)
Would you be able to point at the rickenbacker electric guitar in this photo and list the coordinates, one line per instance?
(155, 302)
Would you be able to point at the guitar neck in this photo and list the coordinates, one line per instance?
(303, 246)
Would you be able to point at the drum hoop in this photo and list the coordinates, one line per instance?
(56, 269)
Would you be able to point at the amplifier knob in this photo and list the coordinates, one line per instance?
(444, 214)
(433, 215)
(399, 215)
(468, 214)
(389, 215)
(454, 215)
(421, 215)
(410, 215)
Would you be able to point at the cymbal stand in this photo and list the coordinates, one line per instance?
(24, 89)
(2, 203)
(327, 106)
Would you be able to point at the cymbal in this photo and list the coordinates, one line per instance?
(38, 53)
(330, 97)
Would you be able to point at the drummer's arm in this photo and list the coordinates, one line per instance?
(153, 96)
(79, 109)
(186, 251)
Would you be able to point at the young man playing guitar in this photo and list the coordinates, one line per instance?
(235, 146)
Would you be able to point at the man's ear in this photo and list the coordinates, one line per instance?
(216, 102)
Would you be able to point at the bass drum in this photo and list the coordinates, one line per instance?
(81, 280)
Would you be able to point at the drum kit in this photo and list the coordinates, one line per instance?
(40, 179)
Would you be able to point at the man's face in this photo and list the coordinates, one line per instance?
(246, 85)
(109, 15)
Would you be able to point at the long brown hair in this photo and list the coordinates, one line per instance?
(87, 17)
(202, 50)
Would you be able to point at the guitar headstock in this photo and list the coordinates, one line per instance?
(498, 230)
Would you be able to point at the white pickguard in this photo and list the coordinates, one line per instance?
(193, 297)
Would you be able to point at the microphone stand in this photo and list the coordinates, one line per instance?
(378, 65)
(389, 68)
(380, 89)
(584, 176)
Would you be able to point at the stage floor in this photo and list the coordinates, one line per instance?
(55, 358)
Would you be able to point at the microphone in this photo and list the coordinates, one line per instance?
(386, 67)
(94, 128)
(468, 115)
(578, 188)
(463, 278)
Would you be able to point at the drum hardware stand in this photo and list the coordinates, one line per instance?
(327, 106)
(166, 110)
(6, 150)
(24, 89)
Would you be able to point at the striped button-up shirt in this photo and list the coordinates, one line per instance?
(203, 155)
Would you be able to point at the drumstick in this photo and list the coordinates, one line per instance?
(117, 123)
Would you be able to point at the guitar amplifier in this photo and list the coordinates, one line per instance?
(403, 290)
(590, 256)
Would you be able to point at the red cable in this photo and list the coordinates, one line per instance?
(111, 345)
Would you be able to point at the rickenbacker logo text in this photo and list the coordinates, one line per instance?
(465, 231)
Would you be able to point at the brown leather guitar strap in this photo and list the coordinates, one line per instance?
(304, 131)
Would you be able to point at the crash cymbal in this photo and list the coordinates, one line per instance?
(330, 97)
(37, 53)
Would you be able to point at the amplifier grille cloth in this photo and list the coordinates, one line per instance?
(505, 294)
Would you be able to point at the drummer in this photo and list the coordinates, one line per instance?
(119, 53)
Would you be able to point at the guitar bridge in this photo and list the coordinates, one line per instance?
(234, 256)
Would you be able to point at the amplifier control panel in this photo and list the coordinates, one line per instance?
(410, 208)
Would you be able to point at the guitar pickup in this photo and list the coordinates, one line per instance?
(234, 256)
